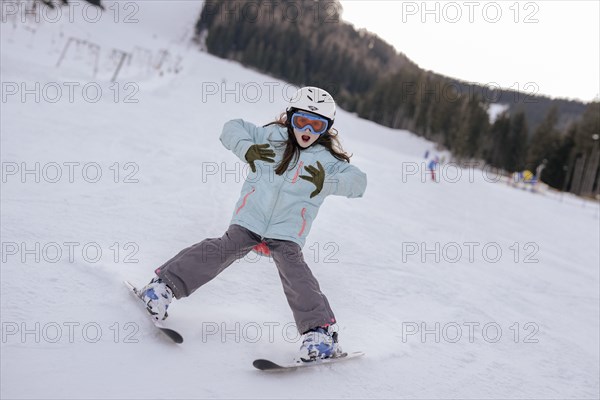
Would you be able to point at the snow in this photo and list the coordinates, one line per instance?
(495, 109)
(70, 329)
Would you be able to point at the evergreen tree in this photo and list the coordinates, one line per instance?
(517, 143)
(497, 141)
(544, 141)
(558, 165)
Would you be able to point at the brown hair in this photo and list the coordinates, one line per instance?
(292, 150)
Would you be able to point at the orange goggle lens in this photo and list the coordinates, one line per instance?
(314, 123)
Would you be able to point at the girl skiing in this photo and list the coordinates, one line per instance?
(274, 213)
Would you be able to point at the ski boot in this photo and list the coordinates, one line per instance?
(319, 343)
(157, 296)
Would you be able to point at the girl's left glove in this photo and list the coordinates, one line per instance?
(317, 177)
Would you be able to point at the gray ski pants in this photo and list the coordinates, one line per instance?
(200, 263)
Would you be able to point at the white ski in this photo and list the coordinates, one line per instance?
(267, 365)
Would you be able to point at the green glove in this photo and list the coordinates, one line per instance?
(317, 177)
(262, 152)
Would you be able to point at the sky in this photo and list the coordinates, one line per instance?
(547, 47)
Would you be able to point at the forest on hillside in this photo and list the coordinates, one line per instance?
(306, 42)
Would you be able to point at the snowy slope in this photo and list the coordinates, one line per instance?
(69, 329)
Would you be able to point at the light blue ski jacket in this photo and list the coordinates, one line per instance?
(279, 206)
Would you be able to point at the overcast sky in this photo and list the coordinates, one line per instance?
(548, 47)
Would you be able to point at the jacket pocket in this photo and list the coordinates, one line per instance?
(244, 200)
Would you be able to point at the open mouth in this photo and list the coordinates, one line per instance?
(305, 138)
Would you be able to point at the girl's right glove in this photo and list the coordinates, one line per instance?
(261, 152)
(317, 177)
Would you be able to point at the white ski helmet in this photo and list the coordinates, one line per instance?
(314, 100)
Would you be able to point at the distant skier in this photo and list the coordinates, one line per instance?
(274, 214)
(432, 166)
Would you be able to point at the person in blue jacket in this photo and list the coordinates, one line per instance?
(295, 163)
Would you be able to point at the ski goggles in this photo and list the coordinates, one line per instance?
(316, 124)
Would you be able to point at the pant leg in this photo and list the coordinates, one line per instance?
(309, 306)
(200, 263)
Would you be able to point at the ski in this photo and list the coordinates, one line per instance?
(170, 333)
(267, 365)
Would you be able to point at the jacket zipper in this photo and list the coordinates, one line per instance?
(274, 206)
